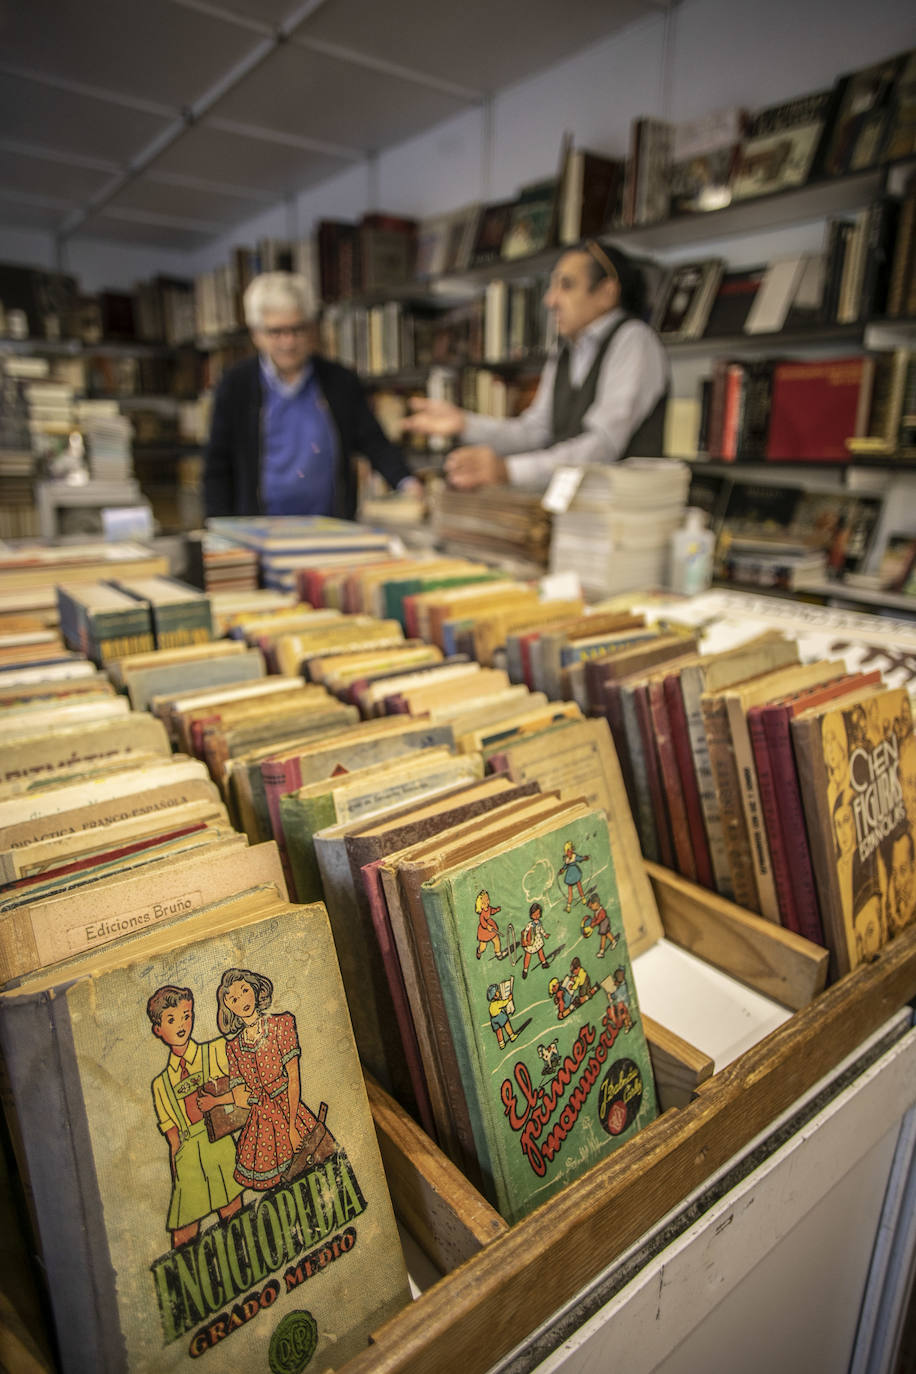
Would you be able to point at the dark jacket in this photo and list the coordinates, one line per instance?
(232, 472)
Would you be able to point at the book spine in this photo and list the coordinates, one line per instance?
(812, 782)
(656, 790)
(717, 407)
(611, 702)
(680, 735)
(770, 803)
(728, 793)
(903, 256)
(299, 820)
(709, 801)
(791, 818)
(643, 813)
(381, 924)
(671, 781)
(444, 939)
(35, 1072)
(728, 444)
(753, 810)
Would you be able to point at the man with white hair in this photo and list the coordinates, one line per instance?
(288, 424)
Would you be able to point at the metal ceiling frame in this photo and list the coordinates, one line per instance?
(180, 120)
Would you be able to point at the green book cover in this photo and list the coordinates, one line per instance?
(394, 592)
(533, 963)
(217, 1193)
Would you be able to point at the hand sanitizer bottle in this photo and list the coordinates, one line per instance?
(691, 554)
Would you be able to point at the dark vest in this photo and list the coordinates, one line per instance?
(570, 404)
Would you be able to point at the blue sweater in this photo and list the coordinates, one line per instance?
(299, 447)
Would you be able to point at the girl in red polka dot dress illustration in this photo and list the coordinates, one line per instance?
(263, 1053)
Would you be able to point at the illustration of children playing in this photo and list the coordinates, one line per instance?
(487, 929)
(572, 872)
(203, 1178)
(580, 985)
(499, 996)
(262, 1051)
(533, 937)
(598, 921)
(562, 997)
(620, 1000)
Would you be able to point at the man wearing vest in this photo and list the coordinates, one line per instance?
(602, 397)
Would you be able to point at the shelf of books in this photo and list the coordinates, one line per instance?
(464, 841)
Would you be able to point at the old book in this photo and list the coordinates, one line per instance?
(683, 307)
(687, 776)
(159, 679)
(550, 643)
(34, 856)
(162, 1272)
(853, 758)
(103, 622)
(323, 717)
(341, 851)
(402, 874)
(814, 409)
(670, 778)
(492, 738)
(737, 702)
(41, 931)
(213, 712)
(712, 673)
(361, 794)
(863, 116)
(728, 782)
(781, 801)
(18, 725)
(56, 751)
(600, 1089)
(293, 651)
(178, 710)
(179, 614)
(362, 746)
(781, 145)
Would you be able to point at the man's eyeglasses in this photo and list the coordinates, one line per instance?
(279, 331)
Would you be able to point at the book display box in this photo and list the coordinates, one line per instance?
(482, 1307)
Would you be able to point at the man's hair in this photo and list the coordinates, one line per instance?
(606, 260)
(277, 291)
(165, 997)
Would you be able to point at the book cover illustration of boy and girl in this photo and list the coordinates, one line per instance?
(230, 1108)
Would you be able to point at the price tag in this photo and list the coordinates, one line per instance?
(561, 489)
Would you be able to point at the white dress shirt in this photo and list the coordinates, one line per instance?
(633, 377)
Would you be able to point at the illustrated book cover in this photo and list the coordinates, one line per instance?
(857, 772)
(218, 1193)
(552, 1053)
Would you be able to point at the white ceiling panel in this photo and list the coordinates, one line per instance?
(216, 156)
(183, 201)
(65, 121)
(300, 92)
(45, 177)
(103, 226)
(481, 43)
(16, 214)
(147, 48)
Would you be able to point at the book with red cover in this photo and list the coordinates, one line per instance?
(793, 836)
(814, 408)
(670, 779)
(680, 734)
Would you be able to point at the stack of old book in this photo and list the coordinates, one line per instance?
(150, 958)
(615, 533)
(179, 614)
(216, 564)
(29, 572)
(284, 543)
(497, 523)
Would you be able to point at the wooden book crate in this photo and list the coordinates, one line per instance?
(481, 1308)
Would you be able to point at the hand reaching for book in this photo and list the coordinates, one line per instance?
(434, 418)
(475, 465)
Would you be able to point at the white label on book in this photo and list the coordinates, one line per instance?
(561, 489)
(101, 931)
(560, 586)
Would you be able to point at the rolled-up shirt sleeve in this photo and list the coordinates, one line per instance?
(633, 378)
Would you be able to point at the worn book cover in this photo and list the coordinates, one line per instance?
(855, 767)
(163, 1241)
(550, 1043)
